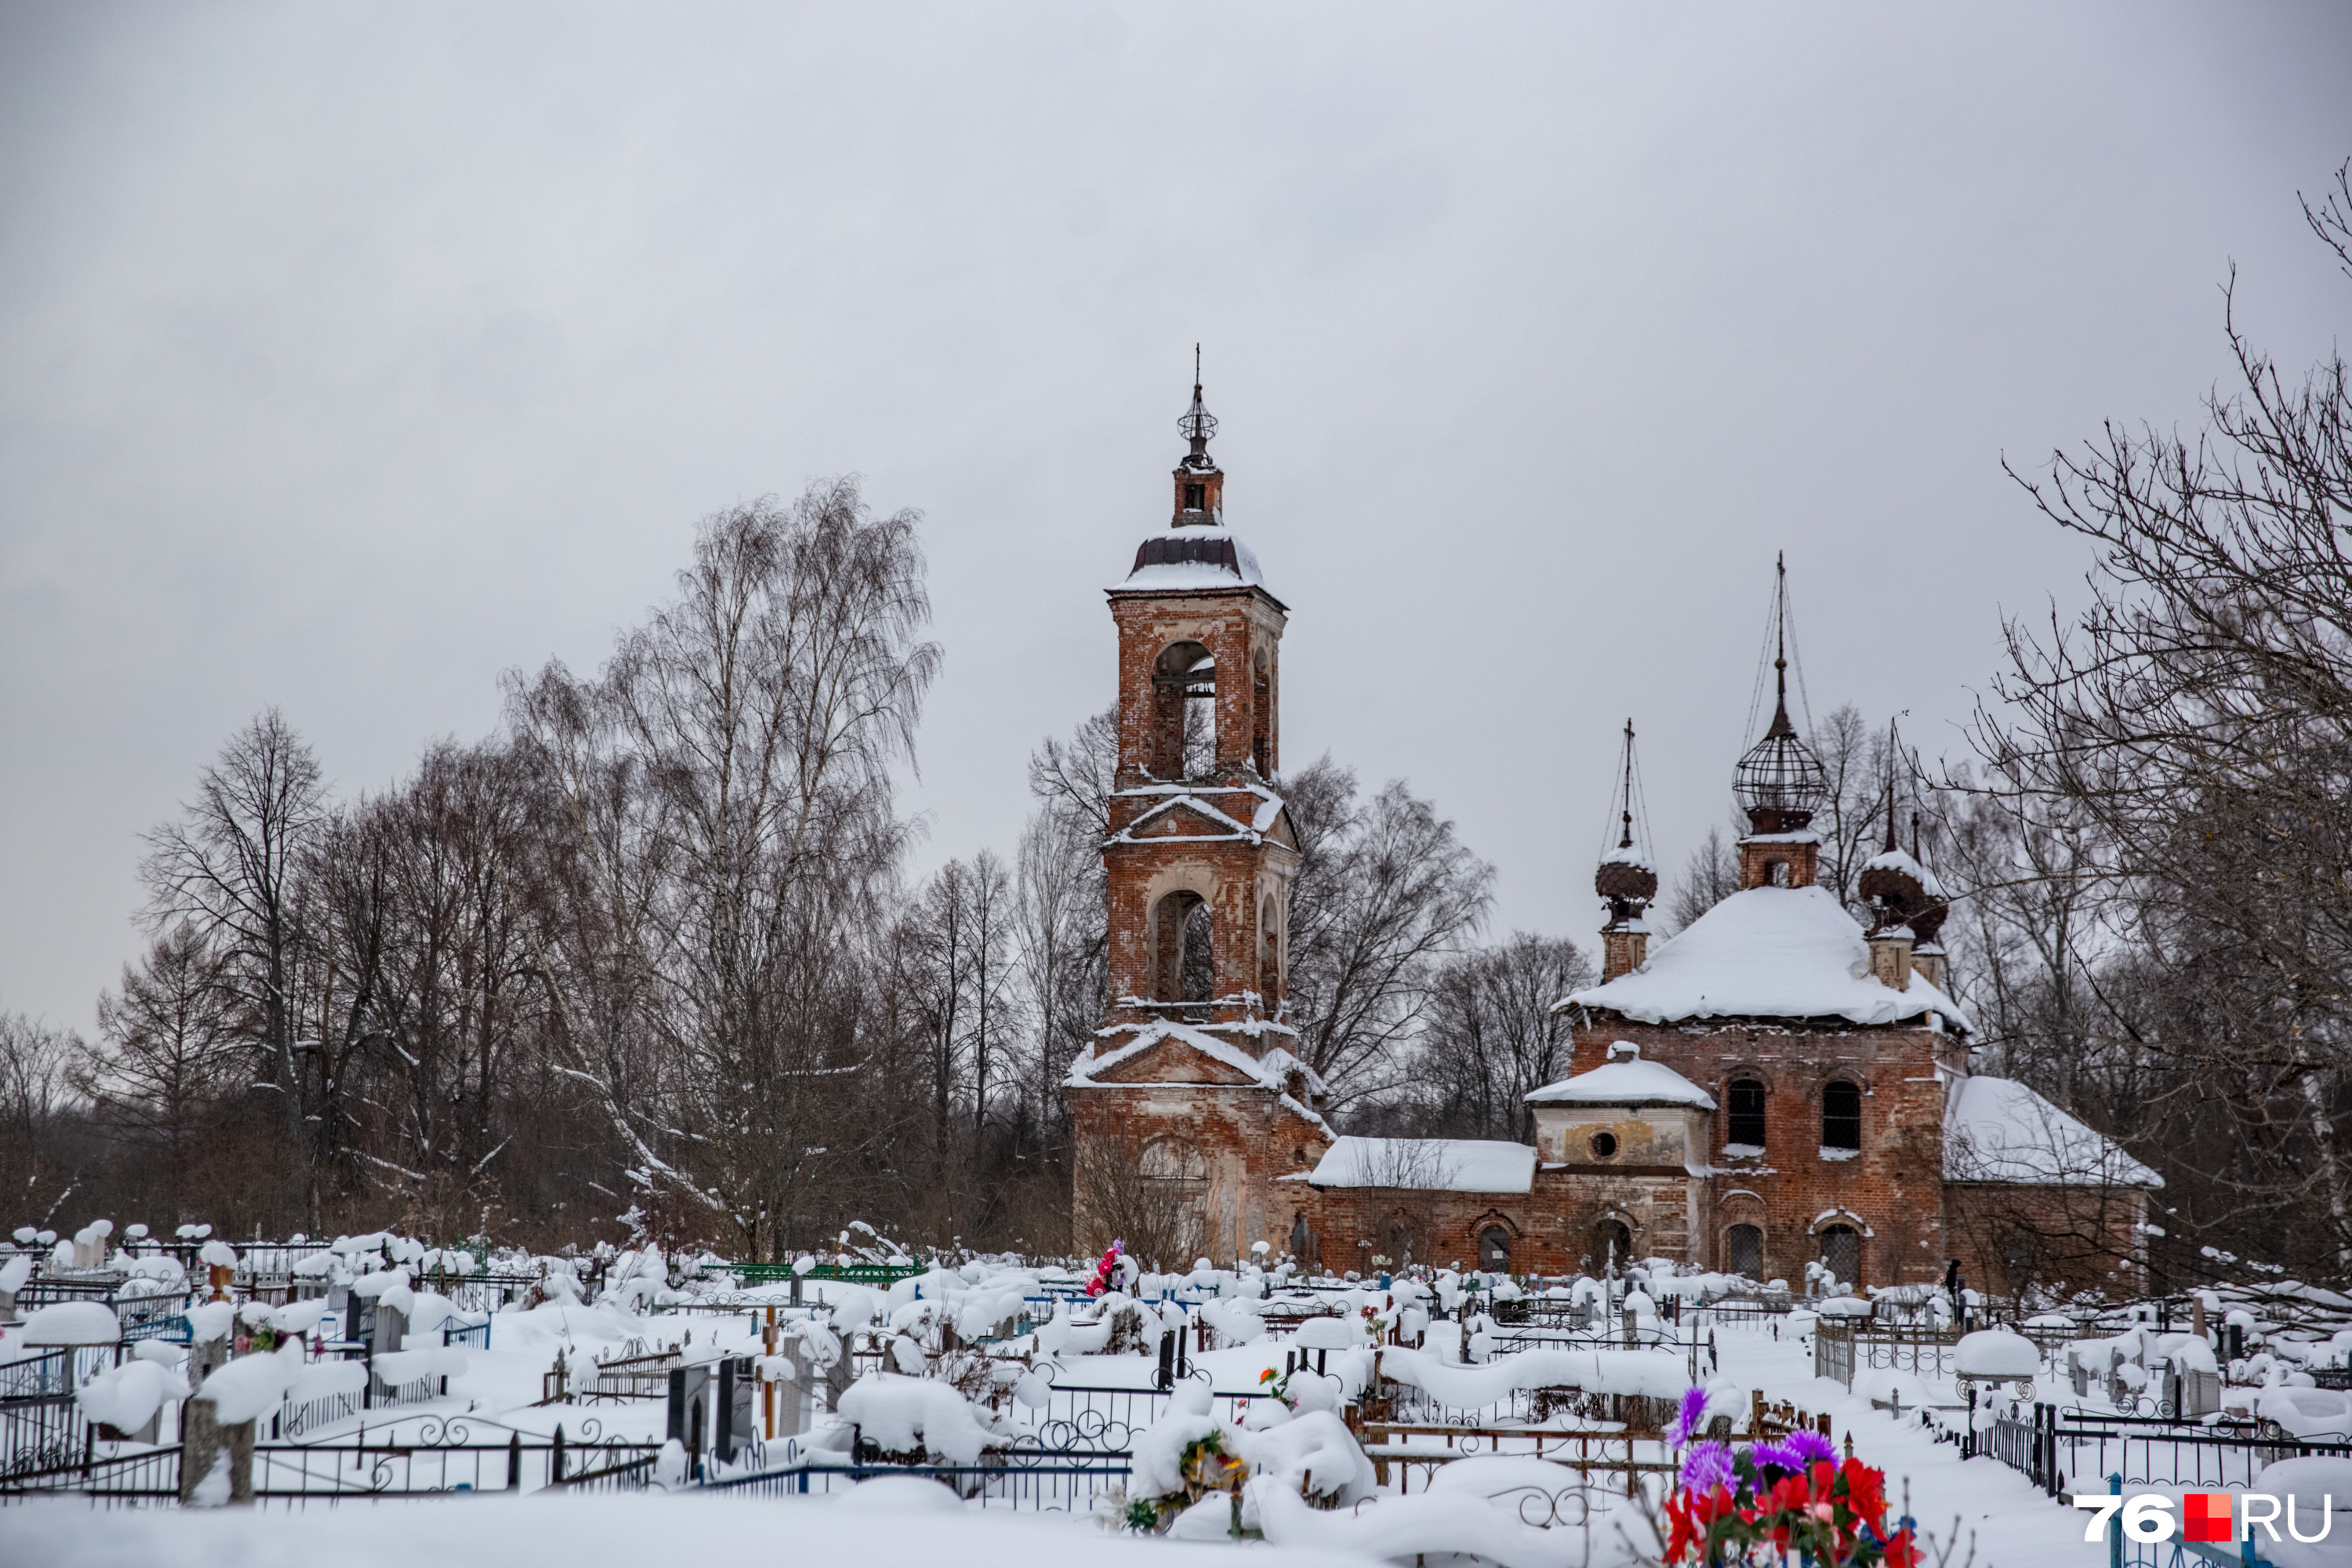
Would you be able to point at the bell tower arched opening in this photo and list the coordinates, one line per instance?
(1183, 711)
(1183, 931)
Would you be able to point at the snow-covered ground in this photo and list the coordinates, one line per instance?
(1976, 1505)
(883, 1529)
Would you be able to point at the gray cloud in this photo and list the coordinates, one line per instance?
(352, 356)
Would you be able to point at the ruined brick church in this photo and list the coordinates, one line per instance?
(1774, 1086)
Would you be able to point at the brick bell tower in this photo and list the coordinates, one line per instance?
(1191, 1091)
(1199, 857)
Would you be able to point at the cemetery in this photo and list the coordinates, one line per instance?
(1532, 1421)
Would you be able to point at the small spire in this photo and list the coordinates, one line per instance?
(1781, 725)
(1892, 743)
(1627, 841)
(1198, 424)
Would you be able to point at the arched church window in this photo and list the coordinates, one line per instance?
(1183, 939)
(1743, 1250)
(1841, 1115)
(1269, 954)
(1200, 956)
(1262, 715)
(1743, 1125)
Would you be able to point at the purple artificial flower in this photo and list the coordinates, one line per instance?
(1809, 1448)
(1776, 1457)
(1692, 1415)
(1706, 1467)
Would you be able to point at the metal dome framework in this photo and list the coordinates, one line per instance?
(1779, 782)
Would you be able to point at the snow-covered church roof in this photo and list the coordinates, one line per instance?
(1768, 953)
(1428, 1165)
(1997, 1130)
(1192, 558)
(1625, 1079)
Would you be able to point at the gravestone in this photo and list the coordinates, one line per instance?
(738, 1423)
(690, 1400)
(793, 1398)
(386, 1334)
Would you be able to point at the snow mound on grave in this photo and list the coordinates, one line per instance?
(1768, 953)
(902, 1494)
(1996, 1353)
(72, 1323)
(251, 1385)
(1312, 1453)
(1402, 1528)
(902, 1414)
(126, 1397)
(2307, 1412)
(1654, 1375)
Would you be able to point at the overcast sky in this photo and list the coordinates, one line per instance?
(351, 355)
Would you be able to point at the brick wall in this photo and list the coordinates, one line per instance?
(1891, 1190)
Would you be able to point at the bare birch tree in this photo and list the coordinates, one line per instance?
(726, 787)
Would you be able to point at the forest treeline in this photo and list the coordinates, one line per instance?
(649, 959)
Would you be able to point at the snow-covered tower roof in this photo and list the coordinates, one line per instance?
(1197, 552)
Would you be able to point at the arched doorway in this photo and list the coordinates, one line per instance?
(1172, 1181)
(1612, 1243)
(1495, 1250)
(1743, 1251)
(1842, 1253)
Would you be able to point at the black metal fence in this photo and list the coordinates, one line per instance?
(1046, 1481)
(2068, 1450)
(436, 1458)
(1845, 1346)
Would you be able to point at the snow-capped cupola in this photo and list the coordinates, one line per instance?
(1624, 1115)
(1626, 881)
(1197, 552)
(1907, 904)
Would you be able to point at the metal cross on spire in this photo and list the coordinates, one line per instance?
(1198, 424)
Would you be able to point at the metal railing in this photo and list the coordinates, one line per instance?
(1845, 1346)
(1070, 1484)
(2062, 1449)
(437, 1458)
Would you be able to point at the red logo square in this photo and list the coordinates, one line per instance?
(2205, 1516)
